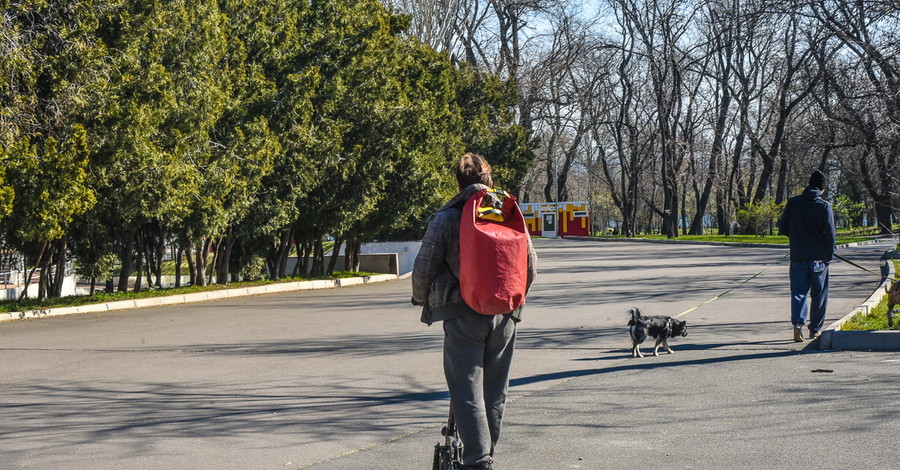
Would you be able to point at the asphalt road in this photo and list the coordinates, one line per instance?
(349, 379)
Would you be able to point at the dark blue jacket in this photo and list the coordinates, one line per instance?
(809, 223)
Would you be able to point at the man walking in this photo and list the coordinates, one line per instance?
(478, 348)
(808, 222)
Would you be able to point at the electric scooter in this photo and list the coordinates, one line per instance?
(448, 456)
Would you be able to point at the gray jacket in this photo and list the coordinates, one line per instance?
(435, 277)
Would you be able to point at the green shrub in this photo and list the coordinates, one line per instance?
(760, 216)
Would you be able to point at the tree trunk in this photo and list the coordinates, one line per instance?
(683, 212)
(318, 258)
(724, 228)
(160, 254)
(284, 252)
(61, 258)
(303, 251)
(272, 262)
(351, 256)
(214, 264)
(140, 266)
(127, 258)
(178, 253)
(44, 280)
(334, 256)
(202, 254)
(37, 264)
(883, 213)
(717, 152)
(192, 267)
(147, 249)
(147, 268)
(225, 272)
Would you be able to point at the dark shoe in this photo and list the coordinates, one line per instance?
(480, 466)
(798, 334)
(813, 335)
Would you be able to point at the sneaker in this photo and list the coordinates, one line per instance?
(798, 334)
(813, 335)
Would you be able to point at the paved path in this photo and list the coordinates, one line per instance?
(348, 379)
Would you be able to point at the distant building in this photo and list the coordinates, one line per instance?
(549, 219)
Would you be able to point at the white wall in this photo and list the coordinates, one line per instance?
(68, 288)
(406, 252)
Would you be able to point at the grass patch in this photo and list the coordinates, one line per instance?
(876, 319)
(103, 297)
(865, 231)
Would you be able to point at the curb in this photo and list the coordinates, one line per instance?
(200, 296)
(833, 338)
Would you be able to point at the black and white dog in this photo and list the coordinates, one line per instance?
(658, 326)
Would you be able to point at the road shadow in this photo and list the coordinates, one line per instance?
(644, 364)
(148, 412)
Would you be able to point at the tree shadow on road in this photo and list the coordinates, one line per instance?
(648, 363)
(61, 414)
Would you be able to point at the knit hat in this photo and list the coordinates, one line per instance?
(817, 180)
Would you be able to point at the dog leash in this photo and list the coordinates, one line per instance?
(851, 263)
(723, 294)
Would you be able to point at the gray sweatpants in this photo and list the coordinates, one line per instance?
(478, 351)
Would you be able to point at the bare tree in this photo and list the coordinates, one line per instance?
(864, 75)
(661, 28)
(684, 107)
(795, 78)
(575, 71)
(434, 21)
(721, 22)
(622, 128)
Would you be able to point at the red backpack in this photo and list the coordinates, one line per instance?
(493, 255)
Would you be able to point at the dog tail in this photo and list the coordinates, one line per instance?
(637, 327)
(634, 317)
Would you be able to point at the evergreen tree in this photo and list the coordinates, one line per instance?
(55, 74)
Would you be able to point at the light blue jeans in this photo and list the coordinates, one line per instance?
(809, 293)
